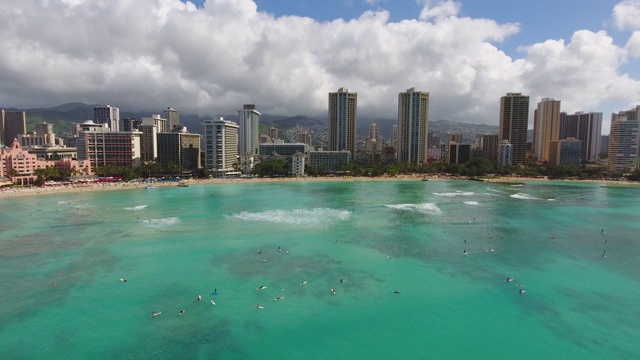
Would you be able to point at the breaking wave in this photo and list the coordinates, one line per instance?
(524, 196)
(136, 208)
(425, 208)
(457, 193)
(160, 223)
(318, 216)
(65, 202)
(471, 202)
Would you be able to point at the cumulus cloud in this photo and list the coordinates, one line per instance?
(626, 15)
(150, 54)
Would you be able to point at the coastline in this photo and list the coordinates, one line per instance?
(67, 189)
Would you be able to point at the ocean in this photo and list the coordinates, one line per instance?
(418, 270)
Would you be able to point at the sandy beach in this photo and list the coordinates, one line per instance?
(95, 187)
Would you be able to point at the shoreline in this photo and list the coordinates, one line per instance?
(87, 188)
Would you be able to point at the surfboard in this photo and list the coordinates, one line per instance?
(261, 287)
(279, 298)
(156, 314)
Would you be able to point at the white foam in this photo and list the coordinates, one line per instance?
(457, 193)
(524, 196)
(425, 208)
(471, 202)
(318, 216)
(160, 223)
(65, 202)
(517, 185)
(136, 208)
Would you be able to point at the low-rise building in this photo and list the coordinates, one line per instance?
(330, 160)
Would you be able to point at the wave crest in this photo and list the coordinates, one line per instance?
(457, 193)
(471, 202)
(425, 208)
(524, 196)
(136, 208)
(160, 223)
(318, 216)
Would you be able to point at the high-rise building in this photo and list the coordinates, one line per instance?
(458, 153)
(489, 145)
(179, 147)
(220, 146)
(413, 119)
(624, 142)
(514, 119)
(343, 115)
(42, 136)
(604, 145)
(148, 142)
(12, 123)
(160, 123)
(173, 118)
(304, 137)
(505, 153)
(546, 127)
(103, 146)
(273, 133)
(248, 134)
(107, 115)
(456, 138)
(586, 127)
(393, 141)
(130, 124)
(565, 152)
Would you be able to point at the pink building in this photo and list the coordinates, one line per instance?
(19, 165)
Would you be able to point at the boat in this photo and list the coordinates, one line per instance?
(149, 187)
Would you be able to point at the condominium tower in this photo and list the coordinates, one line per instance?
(173, 117)
(546, 127)
(107, 115)
(586, 127)
(12, 123)
(514, 119)
(220, 146)
(413, 118)
(248, 135)
(624, 141)
(343, 113)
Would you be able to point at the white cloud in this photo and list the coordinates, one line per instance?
(626, 15)
(633, 45)
(150, 54)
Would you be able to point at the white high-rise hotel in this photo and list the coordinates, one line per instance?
(624, 140)
(220, 146)
(248, 135)
(413, 118)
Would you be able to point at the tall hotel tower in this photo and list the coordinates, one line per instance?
(248, 135)
(546, 127)
(624, 140)
(413, 118)
(220, 146)
(107, 115)
(173, 117)
(514, 119)
(343, 113)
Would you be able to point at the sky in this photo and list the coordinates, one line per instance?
(209, 57)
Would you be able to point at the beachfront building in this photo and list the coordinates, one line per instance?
(505, 153)
(488, 147)
(284, 149)
(107, 116)
(514, 119)
(221, 147)
(173, 118)
(12, 124)
(546, 127)
(458, 153)
(53, 152)
(565, 152)
(42, 136)
(148, 142)
(343, 114)
(102, 146)
(586, 127)
(330, 161)
(413, 119)
(297, 164)
(624, 143)
(179, 148)
(20, 166)
(248, 130)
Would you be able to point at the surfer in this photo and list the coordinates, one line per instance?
(279, 298)
(521, 291)
(333, 291)
(304, 282)
(257, 306)
(262, 287)
(341, 280)
(153, 313)
(123, 280)
(509, 279)
(490, 250)
(259, 252)
(396, 292)
(464, 252)
(604, 253)
(181, 312)
(199, 298)
(279, 249)
(213, 302)
(264, 260)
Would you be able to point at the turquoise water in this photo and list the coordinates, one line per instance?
(173, 244)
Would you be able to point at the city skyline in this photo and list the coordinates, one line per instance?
(167, 52)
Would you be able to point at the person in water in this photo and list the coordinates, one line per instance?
(181, 312)
(333, 291)
(153, 313)
(199, 298)
(396, 292)
(509, 279)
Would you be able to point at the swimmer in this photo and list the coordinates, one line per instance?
(604, 253)
(389, 257)
(199, 298)
(123, 280)
(262, 287)
(465, 241)
(341, 280)
(54, 284)
(213, 302)
(258, 306)
(279, 249)
(181, 312)
(333, 291)
(259, 252)
(396, 292)
(153, 313)
(281, 289)
(279, 298)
